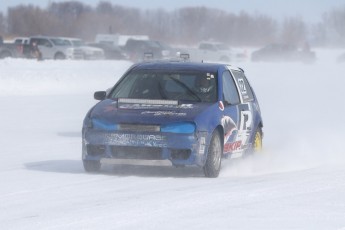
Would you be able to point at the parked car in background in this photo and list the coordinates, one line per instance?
(50, 47)
(211, 51)
(79, 50)
(173, 113)
(9, 49)
(118, 39)
(136, 49)
(21, 40)
(110, 51)
(283, 52)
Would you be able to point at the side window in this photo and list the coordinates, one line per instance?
(43, 42)
(243, 86)
(40, 42)
(230, 93)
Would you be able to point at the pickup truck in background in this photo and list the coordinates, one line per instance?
(9, 49)
(50, 47)
(79, 50)
(215, 51)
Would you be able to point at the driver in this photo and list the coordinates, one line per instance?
(205, 87)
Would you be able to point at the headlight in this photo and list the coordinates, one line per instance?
(99, 124)
(185, 127)
(69, 51)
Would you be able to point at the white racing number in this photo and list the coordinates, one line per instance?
(242, 86)
(246, 120)
(245, 125)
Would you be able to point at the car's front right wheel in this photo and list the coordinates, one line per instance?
(59, 56)
(214, 157)
(91, 166)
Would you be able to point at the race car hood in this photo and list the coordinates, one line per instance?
(115, 111)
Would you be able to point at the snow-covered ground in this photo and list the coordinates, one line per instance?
(297, 183)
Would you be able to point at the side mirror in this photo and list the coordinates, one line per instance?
(100, 95)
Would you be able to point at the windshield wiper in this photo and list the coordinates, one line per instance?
(189, 91)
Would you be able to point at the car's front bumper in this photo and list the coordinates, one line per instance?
(145, 148)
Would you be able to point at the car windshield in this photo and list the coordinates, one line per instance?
(185, 86)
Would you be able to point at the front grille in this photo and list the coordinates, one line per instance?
(94, 150)
(139, 128)
(142, 153)
(180, 154)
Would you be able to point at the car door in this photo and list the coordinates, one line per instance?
(237, 117)
(45, 47)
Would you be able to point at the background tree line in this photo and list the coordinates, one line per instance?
(187, 25)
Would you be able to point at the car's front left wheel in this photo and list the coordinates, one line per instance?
(91, 166)
(214, 157)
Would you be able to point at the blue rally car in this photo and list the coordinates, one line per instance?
(173, 113)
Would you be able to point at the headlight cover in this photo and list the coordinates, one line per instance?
(185, 127)
(100, 124)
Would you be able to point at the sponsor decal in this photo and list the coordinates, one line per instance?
(164, 113)
(229, 127)
(202, 145)
(147, 101)
(144, 137)
(186, 106)
(230, 147)
(152, 106)
(136, 140)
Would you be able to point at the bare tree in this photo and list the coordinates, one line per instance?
(294, 31)
(27, 20)
(333, 22)
(187, 25)
(2, 24)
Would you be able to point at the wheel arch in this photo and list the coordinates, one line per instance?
(220, 130)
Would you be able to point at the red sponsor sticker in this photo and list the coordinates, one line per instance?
(230, 147)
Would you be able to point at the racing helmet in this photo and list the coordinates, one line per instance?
(204, 84)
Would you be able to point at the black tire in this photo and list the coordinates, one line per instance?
(91, 166)
(5, 54)
(59, 56)
(214, 157)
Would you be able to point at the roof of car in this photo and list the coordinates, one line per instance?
(181, 66)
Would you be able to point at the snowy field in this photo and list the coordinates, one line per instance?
(297, 183)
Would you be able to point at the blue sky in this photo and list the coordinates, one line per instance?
(309, 10)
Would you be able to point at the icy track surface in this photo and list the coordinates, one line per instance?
(297, 183)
